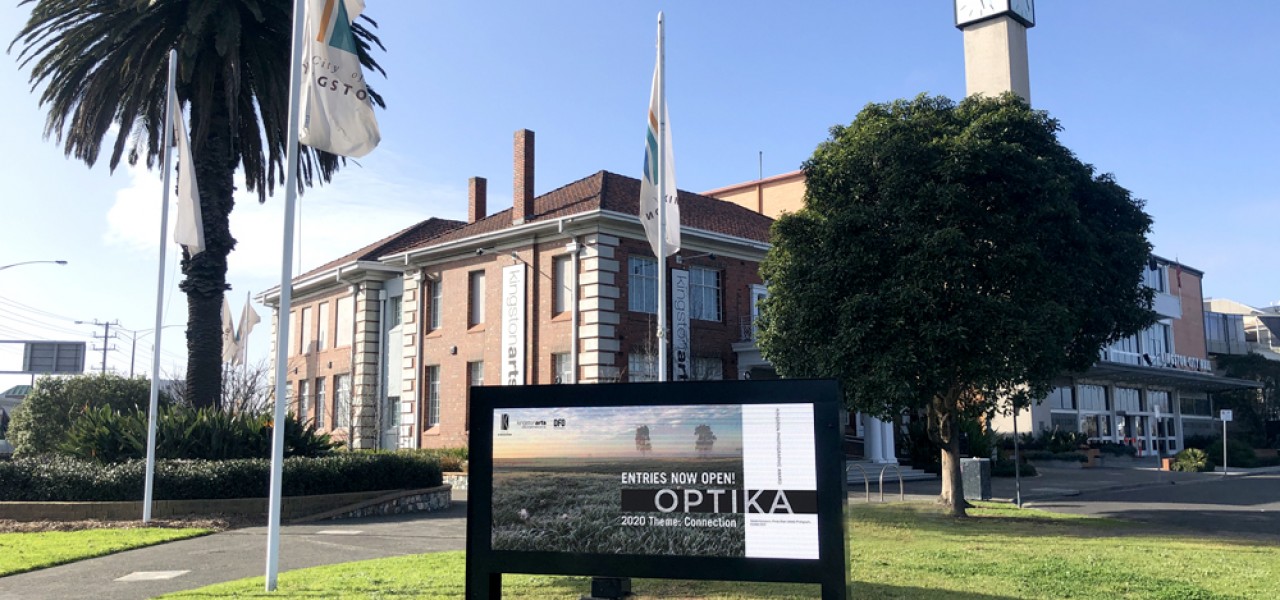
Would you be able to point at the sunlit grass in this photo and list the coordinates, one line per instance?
(897, 551)
(20, 552)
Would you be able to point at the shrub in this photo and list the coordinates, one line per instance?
(450, 459)
(1191, 460)
(1004, 468)
(183, 432)
(1115, 449)
(1239, 454)
(1059, 441)
(54, 478)
(41, 422)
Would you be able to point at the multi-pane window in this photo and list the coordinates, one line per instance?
(1062, 398)
(435, 291)
(1155, 340)
(475, 298)
(642, 284)
(322, 336)
(642, 366)
(433, 395)
(1093, 398)
(293, 333)
(1157, 400)
(1155, 277)
(708, 368)
(341, 401)
(343, 336)
(395, 311)
(1195, 406)
(562, 276)
(1128, 400)
(304, 400)
(307, 325)
(704, 294)
(562, 367)
(475, 378)
(320, 404)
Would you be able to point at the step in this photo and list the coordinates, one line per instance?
(890, 472)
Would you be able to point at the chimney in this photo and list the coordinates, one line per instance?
(522, 196)
(476, 199)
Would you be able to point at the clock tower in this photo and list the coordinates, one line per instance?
(995, 45)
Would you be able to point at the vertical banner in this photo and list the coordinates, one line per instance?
(780, 457)
(682, 361)
(513, 325)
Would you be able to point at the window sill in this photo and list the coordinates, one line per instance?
(476, 328)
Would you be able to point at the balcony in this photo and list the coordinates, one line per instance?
(1163, 361)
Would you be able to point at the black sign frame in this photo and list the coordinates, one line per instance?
(485, 566)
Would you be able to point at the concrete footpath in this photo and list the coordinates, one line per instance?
(240, 553)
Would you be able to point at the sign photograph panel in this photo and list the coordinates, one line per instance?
(688, 480)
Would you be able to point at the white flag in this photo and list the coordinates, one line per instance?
(337, 112)
(189, 229)
(649, 204)
(229, 346)
(248, 318)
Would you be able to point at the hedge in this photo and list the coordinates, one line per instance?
(53, 478)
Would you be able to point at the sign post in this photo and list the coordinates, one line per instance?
(1225, 416)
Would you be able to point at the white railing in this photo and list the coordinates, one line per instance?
(1166, 360)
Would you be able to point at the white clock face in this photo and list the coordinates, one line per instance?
(968, 11)
(1025, 9)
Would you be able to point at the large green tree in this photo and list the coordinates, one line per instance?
(951, 258)
(103, 64)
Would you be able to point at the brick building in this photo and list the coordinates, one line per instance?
(560, 288)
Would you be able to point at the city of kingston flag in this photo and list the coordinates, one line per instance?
(653, 164)
(189, 228)
(337, 112)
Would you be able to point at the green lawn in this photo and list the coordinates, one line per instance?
(21, 552)
(897, 551)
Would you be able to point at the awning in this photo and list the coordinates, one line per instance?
(1191, 381)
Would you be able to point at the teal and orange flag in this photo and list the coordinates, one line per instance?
(659, 167)
(337, 115)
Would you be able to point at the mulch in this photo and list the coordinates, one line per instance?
(214, 522)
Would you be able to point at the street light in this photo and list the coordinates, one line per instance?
(133, 352)
(32, 262)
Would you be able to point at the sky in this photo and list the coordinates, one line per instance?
(610, 431)
(1176, 98)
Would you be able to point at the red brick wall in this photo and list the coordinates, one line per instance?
(1188, 331)
(311, 364)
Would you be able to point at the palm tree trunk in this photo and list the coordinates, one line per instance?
(206, 273)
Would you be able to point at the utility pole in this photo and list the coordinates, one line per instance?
(106, 337)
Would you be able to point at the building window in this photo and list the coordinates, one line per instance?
(475, 298)
(1093, 398)
(708, 368)
(1155, 277)
(342, 401)
(704, 294)
(1157, 400)
(1195, 406)
(307, 325)
(304, 400)
(1061, 398)
(562, 271)
(562, 368)
(434, 290)
(321, 408)
(642, 284)
(293, 333)
(395, 311)
(322, 336)
(1064, 422)
(1128, 400)
(1156, 341)
(342, 338)
(642, 366)
(475, 378)
(433, 395)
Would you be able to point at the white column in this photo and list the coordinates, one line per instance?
(871, 441)
(887, 450)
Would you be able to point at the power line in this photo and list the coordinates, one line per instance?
(30, 308)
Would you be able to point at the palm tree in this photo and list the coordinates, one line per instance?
(103, 63)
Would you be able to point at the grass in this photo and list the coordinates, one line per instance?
(22, 552)
(897, 551)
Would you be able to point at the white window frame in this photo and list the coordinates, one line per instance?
(342, 401)
(307, 325)
(435, 289)
(642, 284)
(320, 420)
(704, 294)
(562, 295)
(475, 298)
(562, 367)
(642, 366)
(433, 395)
(322, 333)
(342, 337)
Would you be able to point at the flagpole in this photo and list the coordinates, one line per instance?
(662, 205)
(171, 99)
(286, 299)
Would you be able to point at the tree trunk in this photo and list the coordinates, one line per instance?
(945, 431)
(206, 273)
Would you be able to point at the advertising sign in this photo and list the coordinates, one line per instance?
(513, 325)
(700, 480)
(682, 362)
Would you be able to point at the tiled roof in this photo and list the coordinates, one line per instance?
(619, 193)
(405, 239)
